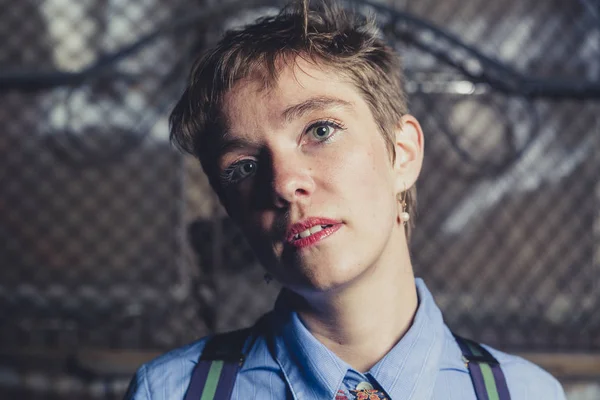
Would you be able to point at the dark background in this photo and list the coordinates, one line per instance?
(114, 249)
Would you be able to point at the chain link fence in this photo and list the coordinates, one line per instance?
(109, 239)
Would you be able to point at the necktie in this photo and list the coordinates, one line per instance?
(361, 394)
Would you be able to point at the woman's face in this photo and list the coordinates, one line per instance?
(307, 176)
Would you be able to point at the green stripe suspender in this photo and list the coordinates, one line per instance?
(214, 376)
(487, 376)
(218, 366)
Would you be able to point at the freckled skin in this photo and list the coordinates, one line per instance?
(349, 178)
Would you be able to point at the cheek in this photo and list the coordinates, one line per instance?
(254, 227)
(238, 201)
(367, 178)
(367, 170)
(233, 206)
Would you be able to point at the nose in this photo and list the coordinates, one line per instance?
(291, 179)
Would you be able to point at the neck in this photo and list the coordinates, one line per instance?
(363, 321)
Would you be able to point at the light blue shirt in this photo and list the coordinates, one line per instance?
(290, 363)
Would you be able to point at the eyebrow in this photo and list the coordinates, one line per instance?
(313, 104)
(290, 113)
(227, 145)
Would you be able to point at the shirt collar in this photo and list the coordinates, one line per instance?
(315, 372)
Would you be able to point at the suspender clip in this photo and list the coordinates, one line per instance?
(483, 359)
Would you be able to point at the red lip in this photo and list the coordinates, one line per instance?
(314, 238)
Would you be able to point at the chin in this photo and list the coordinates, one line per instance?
(313, 281)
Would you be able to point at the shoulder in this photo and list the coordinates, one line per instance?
(525, 379)
(168, 374)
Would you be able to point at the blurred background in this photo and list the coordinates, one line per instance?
(113, 249)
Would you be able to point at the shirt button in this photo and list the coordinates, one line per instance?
(364, 386)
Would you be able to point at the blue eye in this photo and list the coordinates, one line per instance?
(238, 171)
(323, 130)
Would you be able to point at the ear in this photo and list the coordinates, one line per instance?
(409, 148)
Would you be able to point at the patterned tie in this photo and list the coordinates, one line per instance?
(361, 394)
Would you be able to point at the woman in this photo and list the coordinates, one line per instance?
(300, 123)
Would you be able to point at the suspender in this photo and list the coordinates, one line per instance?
(214, 376)
(487, 376)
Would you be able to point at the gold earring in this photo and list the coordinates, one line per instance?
(404, 215)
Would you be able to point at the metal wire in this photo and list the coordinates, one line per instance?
(110, 239)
